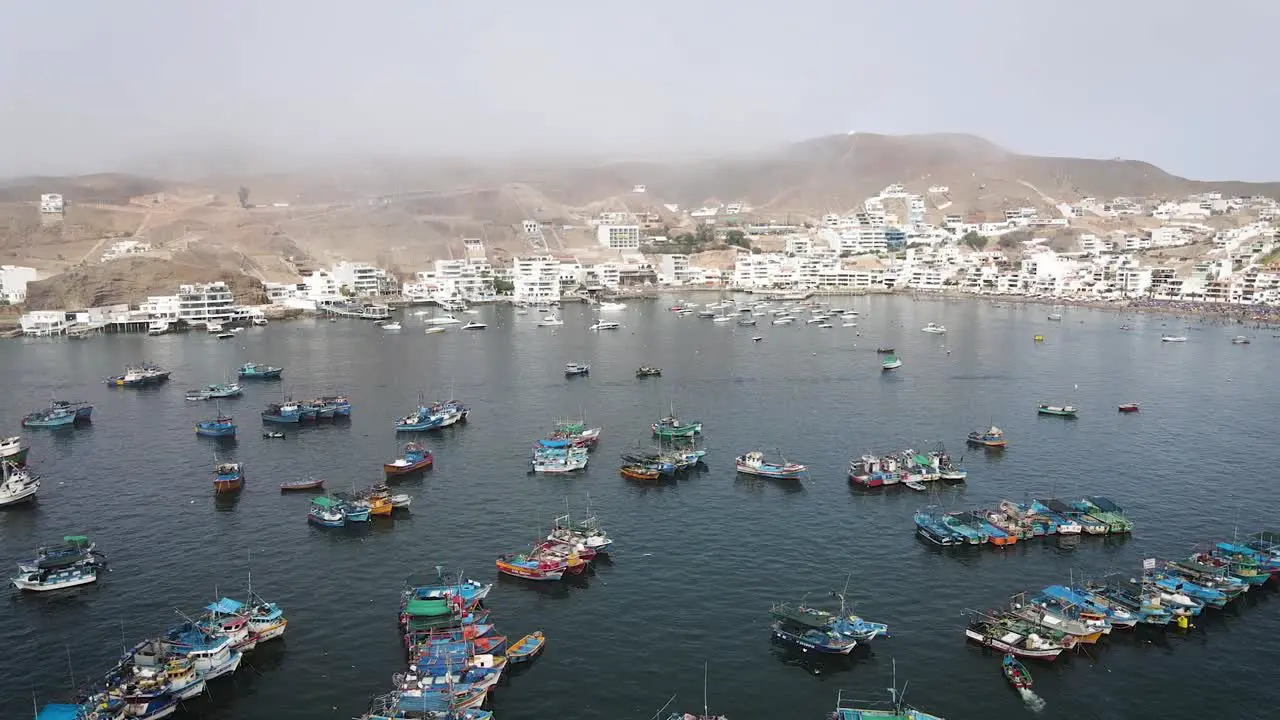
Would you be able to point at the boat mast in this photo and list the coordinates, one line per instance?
(705, 714)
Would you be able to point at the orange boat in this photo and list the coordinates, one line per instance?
(379, 500)
(637, 472)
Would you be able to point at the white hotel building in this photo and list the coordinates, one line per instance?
(536, 279)
(204, 303)
(619, 237)
(467, 280)
(363, 279)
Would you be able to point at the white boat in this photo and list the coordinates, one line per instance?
(550, 321)
(1055, 316)
(12, 450)
(444, 320)
(474, 326)
(849, 324)
(784, 320)
(259, 321)
(825, 325)
(757, 338)
(400, 500)
(214, 327)
(159, 327)
(934, 328)
(225, 335)
(391, 326)
(471, 312)
(16, 484)
(576, 368)
(724, 318)
(605, 326)
(816, 320)
(1173, 338)
(613, 306)
(35, 579)
(1240, 340)
(433, 330)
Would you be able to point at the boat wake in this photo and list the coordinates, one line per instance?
(1034, 702)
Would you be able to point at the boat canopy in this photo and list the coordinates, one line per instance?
(225, 606)
(554, 443)
(430, 607)
(324, 502)
(60, 711)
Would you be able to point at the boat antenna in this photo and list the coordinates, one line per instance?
(664, 707)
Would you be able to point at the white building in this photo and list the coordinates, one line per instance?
(125, 248)
(204, 303)
(13, 283)
(673, 269)
(363, 279)
(44, 322)
(161, 307)
(467, 280)
(280, 293)
(619, 237)
(536, 279)
(52, 203)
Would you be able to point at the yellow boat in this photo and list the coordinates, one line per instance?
(1039, 338)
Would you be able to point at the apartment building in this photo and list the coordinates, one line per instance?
(536, 279)
(13, 283)
(204, 303)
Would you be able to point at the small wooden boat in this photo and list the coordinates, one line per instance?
(1058, 410)
(1128, 407)
(1016, 673)
(303, 484)
(646, 371)
(992, 437)
(272, 435)
(885, 350)
(416, 459)
(574, 369)
(638, 472)
(918, 487)
(527, 647)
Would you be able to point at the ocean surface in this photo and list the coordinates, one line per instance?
(697, 563)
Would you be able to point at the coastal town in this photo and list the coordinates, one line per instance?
(1206, 249)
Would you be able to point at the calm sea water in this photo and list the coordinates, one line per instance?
(697, 563)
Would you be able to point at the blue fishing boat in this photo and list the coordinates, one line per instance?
(210, 650)
(527, 647)
(216, 392)
(219, 427)
(808, 639)
(839, 622)
(435, 416)
(894, 709)
(353, 509)
(108, 709)
(930, 527)
(333, 405)
(754, 463)
(228, 477)
(1177, 584)
(53, 417)
(1118, 617)
(468, 592)
(254, 371)
(1144, 602)
(286, 412)
(326, 512)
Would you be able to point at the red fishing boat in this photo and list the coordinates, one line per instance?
(416, 459)
(532, 566)
(1128, 407)
(638, 472)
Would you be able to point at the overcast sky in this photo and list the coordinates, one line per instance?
(91, 86)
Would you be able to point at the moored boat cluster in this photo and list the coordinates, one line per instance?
(456, 656)
(567, 449)
(1058, 618)
(908, 467)
(677, 451)
(1009, 521)
(154, 676)
(567, 550)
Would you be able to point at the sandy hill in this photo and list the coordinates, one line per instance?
(403, 213)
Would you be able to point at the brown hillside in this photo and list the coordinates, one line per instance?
(132, 281)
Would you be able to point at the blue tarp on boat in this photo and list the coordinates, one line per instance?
(225, 606)
(554, 443)
(60, 711)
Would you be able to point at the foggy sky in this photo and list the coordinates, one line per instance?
(96, 86)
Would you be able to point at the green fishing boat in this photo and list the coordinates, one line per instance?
(1058, 410)
(672, 427)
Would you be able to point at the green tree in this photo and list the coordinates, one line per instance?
(503, 287)
(737, 237)
(974, 240)
(1007, 242)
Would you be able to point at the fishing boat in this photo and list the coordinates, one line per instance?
(12, 450)
(934, 329)
(646, 371)
(1128, 407)
(17, 484)
(1058, 410)
(378, 500)
(839, 622)
(326, 512)
(1173, 338)
(51, 417)
(287, 412)
(416, 458)
(265, 619)
(809, 639)
(228, 477)
(219, 427)
(255, 371)
(1015, 673)
(531, 566)
(71, 563)
(605, 325)
(210, 651)
(401, 501)
(672, 427)
(527, 647)
(992, 437)
(436, 416)
(139, 375)
(587, 532)
(1240, 340)
(891, 362)
(894, 709)
(884, 350)
(1022, 643)
(474, 325)
(213, 392)
(638, 472)
(575, 368)
(354, 508)
(754, 463)
(302, 484)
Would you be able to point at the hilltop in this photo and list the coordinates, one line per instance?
(402, 214)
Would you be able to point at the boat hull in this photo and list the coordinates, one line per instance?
(528, 573)
(29, 586)
(393, 470)
(223, 485)
(289, 487)
(996, 644)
